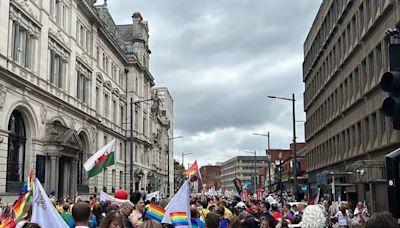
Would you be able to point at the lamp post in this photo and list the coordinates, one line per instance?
(269, 159)
(169, 182)
(183, 157)
(255, 172)
(293, 100)
(131, 139)
(280, 177)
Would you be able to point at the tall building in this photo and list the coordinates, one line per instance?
(243, 167)
(210, 177)
(346, 133)
(68, 74)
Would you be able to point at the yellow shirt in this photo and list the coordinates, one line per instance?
(204, 213)
(228, 214)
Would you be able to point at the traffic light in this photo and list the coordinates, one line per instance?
(393, 182)
(390, 83)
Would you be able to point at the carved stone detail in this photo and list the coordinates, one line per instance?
(43, 113)
(72, 125)
(3, 94)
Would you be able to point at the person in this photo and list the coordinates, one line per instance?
(204, 211)
(240, 206)
(31, 225)
(126, 210)
(26, 215)
(81, 214)
(212, 220)
(247, 220)
(287, 212)
(361, 214)
(343, 216)
(65, 214)
(150, 224)
(112, 220)
(227, 213)
(136, 216)
(224, 222)
(275, 213)
(264, 222)
(194, 213)
(381, 220)
(313, 217)
(98, 213)
(265, 206)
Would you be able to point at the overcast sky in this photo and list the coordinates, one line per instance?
(220, 59)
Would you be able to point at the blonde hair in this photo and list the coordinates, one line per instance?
(150, 224)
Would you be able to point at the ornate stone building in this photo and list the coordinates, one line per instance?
(347, 135)
(67, 76)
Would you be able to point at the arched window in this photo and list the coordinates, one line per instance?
(16, 152)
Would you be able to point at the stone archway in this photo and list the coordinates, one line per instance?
(84, 154)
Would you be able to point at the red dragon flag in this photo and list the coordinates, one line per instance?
(100, 160)
(193, 172)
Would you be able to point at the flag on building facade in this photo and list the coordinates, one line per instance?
(24, 196)
(193, 172)
(315, 199)
(43, 211)
(100, 160)
(177, 212)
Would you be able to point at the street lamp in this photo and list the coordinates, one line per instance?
(154, 107)
(183, 157)
(293, 100)
(255, 174)
(269, 159)
(169, 184)
(280, 177)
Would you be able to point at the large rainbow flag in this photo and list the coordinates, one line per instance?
(154, 212)
(193, 172)
(24, 196)
(179, 219)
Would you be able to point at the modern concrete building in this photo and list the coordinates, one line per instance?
(210, 177)
(346, 133)
(67, 76)
(243, 167)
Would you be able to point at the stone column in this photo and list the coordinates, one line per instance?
(54, 173)
(73, 178)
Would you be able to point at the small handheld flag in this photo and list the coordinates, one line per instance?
(179, 219)
(154, 212)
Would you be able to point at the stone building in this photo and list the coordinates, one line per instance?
(243, 167)
(347, 135)
(67, 76)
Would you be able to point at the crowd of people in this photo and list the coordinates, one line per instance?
(214, 212)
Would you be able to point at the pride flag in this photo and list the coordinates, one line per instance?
(154, 212)
(179, 219)
(193, 172)
(24, 196)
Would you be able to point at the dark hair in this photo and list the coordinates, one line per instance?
(212, 220)
(274, 207)
(110, 217)
(135, 197)
(382, 220)
(220, 210)
(266, 205)
(223, 203)
(204, 204)
(81, 212)
(194, 213)
(31, 225)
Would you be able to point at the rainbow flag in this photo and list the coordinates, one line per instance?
(193, 172)
(194, 223)
(154, 212)
(7, 218)
(24, 196)
(179, 219)
(8, 223)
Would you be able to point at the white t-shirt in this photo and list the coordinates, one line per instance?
(343, 219)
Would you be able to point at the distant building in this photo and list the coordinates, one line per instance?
(243, 167)
(211, 177)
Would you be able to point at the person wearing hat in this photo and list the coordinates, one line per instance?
(26, 215)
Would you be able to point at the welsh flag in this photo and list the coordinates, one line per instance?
(100, 160)
(193, 172)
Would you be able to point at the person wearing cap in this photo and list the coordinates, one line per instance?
(240, 206)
